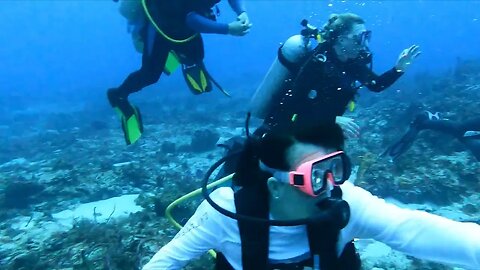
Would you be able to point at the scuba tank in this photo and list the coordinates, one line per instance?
(289, 58)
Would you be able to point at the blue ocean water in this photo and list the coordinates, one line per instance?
(83, 46)
(62, 142)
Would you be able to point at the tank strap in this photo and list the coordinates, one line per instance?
(254, 237)
(290, 66)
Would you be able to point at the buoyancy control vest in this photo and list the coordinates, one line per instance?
(254, 236)
(321, 88)
(167, 16)
(170, 15)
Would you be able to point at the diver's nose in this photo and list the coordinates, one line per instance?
(330, 178)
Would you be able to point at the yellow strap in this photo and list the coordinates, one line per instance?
(168, 210)
(351, 105)
(294, 118)
(144, 4)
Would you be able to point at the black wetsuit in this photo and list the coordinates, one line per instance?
(179, 19)
(334, 85)
(321, 90)
(467, 132)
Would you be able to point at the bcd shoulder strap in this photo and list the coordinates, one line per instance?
(254, 235)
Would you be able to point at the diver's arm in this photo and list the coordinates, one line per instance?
(202, 232)
(444, 126)
(457, 129)
(238, 6)
(375, 82)
(201, 24)
(416, 233)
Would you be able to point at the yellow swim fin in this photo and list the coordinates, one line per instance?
(197, 78)
(132, 125)
(172, 63)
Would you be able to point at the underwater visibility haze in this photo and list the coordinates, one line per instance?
(74, 195)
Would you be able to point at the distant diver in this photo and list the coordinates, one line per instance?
(168, 35)
(467, 132)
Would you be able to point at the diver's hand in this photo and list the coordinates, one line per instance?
(237, 28)
(243, 18)
(406, 57)
(349, 127)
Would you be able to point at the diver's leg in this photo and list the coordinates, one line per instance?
(472, 124)
(153, 62)
(154, 56)
(460, 131)
(192, 52)
(456, 129)
(444, 126)
(422, 121)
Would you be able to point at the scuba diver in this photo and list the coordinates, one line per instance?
(306, 85)
(467, 132)
(292, 208)
(169, 33)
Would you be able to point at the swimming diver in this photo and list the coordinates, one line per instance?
(466, 131)
(170, 31)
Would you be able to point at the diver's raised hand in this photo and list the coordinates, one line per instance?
(349, 127)
(406, 57)
(237, 28)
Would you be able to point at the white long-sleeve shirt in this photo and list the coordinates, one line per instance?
(417, 233)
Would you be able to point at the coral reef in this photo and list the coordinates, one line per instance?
(57, 161)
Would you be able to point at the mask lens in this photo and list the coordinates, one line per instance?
(365, 37)
(320, 171)
(336, 168)
(318, 178)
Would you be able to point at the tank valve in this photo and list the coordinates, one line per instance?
(309, 30)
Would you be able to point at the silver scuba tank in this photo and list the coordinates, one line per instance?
(293, 52)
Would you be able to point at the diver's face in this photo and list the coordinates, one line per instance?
(294, 203)
(353, 42)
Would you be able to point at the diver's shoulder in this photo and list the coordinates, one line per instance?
(224, 197)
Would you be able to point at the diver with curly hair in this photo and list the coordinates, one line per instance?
(306, 86)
